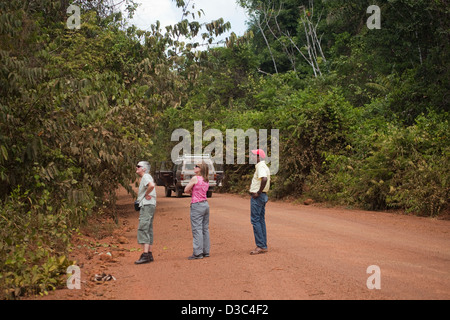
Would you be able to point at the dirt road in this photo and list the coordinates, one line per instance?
(314, 253)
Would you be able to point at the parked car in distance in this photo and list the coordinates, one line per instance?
(176, 176)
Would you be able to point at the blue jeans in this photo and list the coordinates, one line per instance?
(258, 220)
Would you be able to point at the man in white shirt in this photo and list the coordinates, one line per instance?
(147, 203)
(258, 190)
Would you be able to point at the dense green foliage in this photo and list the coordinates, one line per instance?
(362, 114)
(64, 150)
(365, 124)
(78, 108)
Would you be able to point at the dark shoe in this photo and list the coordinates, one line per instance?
(146, 257)
(194, 257)
(205, 255)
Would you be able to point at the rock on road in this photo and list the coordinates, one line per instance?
(315, 253)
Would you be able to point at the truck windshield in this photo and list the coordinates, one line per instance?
(190, 166)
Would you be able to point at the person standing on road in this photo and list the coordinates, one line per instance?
(147, 203)
(199, 185)
(258, 190)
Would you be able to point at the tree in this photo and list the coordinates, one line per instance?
(290, 33)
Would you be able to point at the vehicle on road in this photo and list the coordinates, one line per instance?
(176, 176)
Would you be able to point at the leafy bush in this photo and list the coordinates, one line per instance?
(311, 123)
(72, 124)
(403, 168)
(34, 237)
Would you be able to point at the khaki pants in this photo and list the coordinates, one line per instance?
(145, 229)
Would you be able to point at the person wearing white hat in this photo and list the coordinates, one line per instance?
(147, 203)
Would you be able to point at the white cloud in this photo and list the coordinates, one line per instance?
(167, 13)
(229, 10)
(149, 11)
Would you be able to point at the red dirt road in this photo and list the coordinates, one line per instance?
(314, 253)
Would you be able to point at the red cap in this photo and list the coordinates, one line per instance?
(259, 152)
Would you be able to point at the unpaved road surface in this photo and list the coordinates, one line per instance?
(315, 253)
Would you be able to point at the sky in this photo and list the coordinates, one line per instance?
(167, 13)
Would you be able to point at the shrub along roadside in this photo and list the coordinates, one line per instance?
(34, 244)
(404, 168)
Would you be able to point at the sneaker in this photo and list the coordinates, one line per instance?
(194, 257)
(205, 255)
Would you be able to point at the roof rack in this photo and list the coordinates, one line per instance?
(193, 157)
(202, 155)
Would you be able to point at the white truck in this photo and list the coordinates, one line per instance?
(178, 176)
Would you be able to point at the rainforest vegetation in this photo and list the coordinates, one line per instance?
(362, 112)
